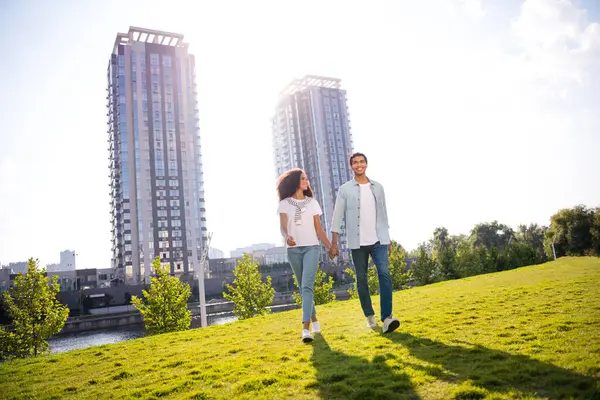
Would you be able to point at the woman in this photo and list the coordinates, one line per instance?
(299, 215)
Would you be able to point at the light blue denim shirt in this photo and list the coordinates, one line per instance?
(347, 206)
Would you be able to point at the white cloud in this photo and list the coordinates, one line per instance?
(474, 8)
(559, 45)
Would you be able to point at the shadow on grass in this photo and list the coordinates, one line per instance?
(341, 376)
(498, 371)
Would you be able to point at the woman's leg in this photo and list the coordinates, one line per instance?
(310, 265)
(295, 257)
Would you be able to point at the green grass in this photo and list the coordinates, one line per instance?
(531, 333)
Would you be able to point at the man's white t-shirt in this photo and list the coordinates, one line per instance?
(304, 233)
(368, 216)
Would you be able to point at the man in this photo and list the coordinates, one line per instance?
(361, 203)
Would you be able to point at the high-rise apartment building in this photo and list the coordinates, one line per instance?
(311, 130)
(156, 178)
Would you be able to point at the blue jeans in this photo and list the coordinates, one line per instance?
(360, 258)
(305, 263)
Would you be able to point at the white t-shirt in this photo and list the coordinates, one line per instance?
(303, 231)
(368, 216)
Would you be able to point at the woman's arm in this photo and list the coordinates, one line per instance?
(321, 233)
(283, 224)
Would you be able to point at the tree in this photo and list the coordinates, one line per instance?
(35, 311)
(250, 296)
(323, 289)
(444, 253)
(491, 235)
(397, 266)
(424, 267)
(533, 237)
(572, 228)
(467, 259)
(595, 232)
(165, 307)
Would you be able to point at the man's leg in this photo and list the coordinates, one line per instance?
(360, 258)
(380, 258)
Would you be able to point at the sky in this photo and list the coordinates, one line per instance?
(469, 110)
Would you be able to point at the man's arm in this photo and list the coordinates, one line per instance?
(338, 216)
(386, 218)
(385, 206)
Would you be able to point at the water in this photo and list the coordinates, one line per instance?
(82, 340)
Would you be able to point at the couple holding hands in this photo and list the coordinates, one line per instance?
(361, 205)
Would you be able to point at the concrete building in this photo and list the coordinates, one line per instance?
(275, 255)
(5, 278)
(155, 162)
(52, 267)
(240, 251)
(104, 276)
(18, 267)
(66, 279)
(214, 253)
(67, 260)
(311, 130)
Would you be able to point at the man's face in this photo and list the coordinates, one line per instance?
(359, 165)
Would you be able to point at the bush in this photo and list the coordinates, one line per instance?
(165, 308)
(250, 296)
(35, 311)
(397, 265)
(323, 289)
(353, 292)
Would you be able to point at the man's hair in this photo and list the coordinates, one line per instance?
(353, 156)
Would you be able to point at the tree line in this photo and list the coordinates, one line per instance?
(493, 246)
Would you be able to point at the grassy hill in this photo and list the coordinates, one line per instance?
(531, 333)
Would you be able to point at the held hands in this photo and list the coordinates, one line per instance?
(290, 241)
(333, 252)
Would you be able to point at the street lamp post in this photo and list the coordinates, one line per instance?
(201, 292)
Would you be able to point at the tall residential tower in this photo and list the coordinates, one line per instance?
(311, 130)
(156, 178)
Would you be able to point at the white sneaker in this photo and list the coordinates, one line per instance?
(306, 336)
(390, 324)
(316, 327)
(371, 322)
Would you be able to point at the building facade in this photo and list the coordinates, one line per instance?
(156, 177)
(214, 253)
(240, 251)
(311, 130)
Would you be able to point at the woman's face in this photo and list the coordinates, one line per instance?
(304, 183)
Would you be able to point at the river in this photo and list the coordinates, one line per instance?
(82, 340)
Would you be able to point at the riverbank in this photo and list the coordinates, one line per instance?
(81, 340)
(127, 316)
